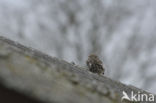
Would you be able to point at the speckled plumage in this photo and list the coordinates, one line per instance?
(95, 64)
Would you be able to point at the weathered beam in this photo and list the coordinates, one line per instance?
(51, 80)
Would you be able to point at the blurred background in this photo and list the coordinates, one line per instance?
(120, 32)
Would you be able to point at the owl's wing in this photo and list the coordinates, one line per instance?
(99, 61)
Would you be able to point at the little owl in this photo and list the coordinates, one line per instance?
(95, 64)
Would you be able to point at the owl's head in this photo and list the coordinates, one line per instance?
(93, 56)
